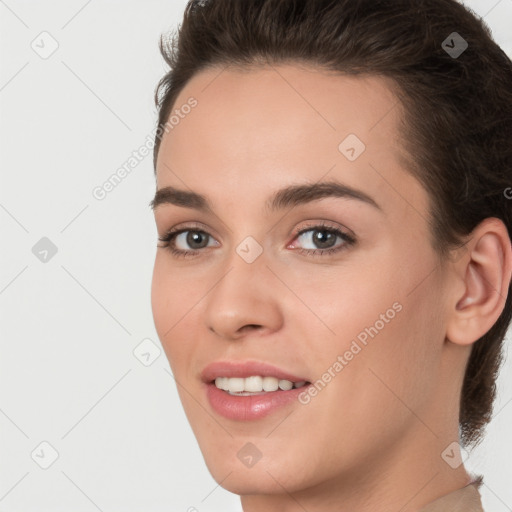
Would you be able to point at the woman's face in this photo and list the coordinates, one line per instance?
(270, 280)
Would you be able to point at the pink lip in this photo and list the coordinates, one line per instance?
(246, 408)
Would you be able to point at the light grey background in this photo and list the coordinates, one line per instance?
(70, 325)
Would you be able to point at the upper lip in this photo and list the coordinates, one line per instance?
(245, 369)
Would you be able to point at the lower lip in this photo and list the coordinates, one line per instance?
(246, 408)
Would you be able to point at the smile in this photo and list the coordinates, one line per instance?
(255, 384)
(249, 390)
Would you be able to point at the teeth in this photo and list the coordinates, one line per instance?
(255, 384)
(270, 384)
(221, 383)
(285, 385)
(235, 385)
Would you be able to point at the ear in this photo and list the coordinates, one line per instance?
(482, 278)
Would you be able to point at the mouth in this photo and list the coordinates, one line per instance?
(249, 390)
(256, 385)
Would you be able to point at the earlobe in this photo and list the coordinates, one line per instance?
(486, 271)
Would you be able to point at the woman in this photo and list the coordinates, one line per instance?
(332, 283)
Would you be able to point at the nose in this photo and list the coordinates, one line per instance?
(244, 299)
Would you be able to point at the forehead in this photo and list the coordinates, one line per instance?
(257, 129)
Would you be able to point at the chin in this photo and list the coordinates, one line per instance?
(249, 481)
(265, 476)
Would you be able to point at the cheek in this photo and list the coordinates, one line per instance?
(356, 301)
(169, 306)
(399, 366)
(160, 299)
(176, 295)
(387, 330)
(375, 396)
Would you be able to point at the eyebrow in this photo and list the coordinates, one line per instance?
(288, 197)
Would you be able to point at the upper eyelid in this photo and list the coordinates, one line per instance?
(198, 226)
(311, 225)
(325, 224)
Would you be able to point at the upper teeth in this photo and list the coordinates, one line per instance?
(255, 384)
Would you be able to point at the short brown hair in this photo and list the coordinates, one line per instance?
(457, 123)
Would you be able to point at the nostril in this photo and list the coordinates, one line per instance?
(250, 326)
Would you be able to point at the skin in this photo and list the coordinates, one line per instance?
(372, 439)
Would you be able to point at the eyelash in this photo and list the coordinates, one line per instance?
(169, 237)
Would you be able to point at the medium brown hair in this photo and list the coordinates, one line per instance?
(457, 122)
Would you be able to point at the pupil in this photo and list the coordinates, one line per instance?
(194, 237)
(322, 237)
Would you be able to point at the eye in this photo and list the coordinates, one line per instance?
(323, 239)
(321, 236)
(194, 238)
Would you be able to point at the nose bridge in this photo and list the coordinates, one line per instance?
(243, 295)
